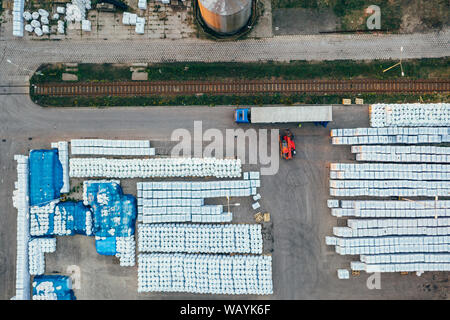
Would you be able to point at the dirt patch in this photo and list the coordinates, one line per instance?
(303, 21)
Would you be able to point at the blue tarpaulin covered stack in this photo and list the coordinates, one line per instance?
(61, 219)
(114, 213)
(106, 246)
(46, 176)
(52, 287)
(79, 217)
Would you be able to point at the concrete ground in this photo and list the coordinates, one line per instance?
(303, 266)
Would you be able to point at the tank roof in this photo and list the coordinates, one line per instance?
(224, 7)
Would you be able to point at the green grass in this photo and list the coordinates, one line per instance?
(343, 69)
(351, 12)
(86, 72)
(231, 100)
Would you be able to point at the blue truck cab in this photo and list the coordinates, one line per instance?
(242, 115)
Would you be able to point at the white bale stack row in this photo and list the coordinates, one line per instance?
(390, 209)
(37, 248)
(149, 168)
(407, 258)
(200, 238)
(21, 203)
(207, 274)
(187, 217)
(391, 244)
(430, 154)
(390, 135)
(18, 27)
(390, 171)
(390, 231)
(389, 188)
(406, 267)
(112, 147)
(126, 251)
(410, 115)
(63, 155)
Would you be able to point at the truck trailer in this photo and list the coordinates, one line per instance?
(284, 114)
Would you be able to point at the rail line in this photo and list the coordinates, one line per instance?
(241, 87)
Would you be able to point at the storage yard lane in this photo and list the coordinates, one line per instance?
(303, 266)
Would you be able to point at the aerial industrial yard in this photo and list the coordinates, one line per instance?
(135, 166)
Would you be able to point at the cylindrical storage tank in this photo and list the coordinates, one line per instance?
(225, 16)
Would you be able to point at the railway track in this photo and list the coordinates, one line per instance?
(240, 87)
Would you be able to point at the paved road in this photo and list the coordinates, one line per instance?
(30, 54)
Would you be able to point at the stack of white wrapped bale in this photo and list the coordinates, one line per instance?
(410, 115)
(200, 238)
(147, 168)
(112, 147)
(37, 248)
(202, 273)
(21, 203)
(18, 18)
(126, 251)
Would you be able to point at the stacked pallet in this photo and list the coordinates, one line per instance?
(391, 135)
(184, 201)
(410, 115)
(111, 147)
(21, 203)
(431, 154)
(207, 274)
(200, 238)
(151, 168)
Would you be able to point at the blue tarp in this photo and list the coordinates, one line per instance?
(62, 286)
(114, 212)
(75, 215)
(106, 246)
(46, 176)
